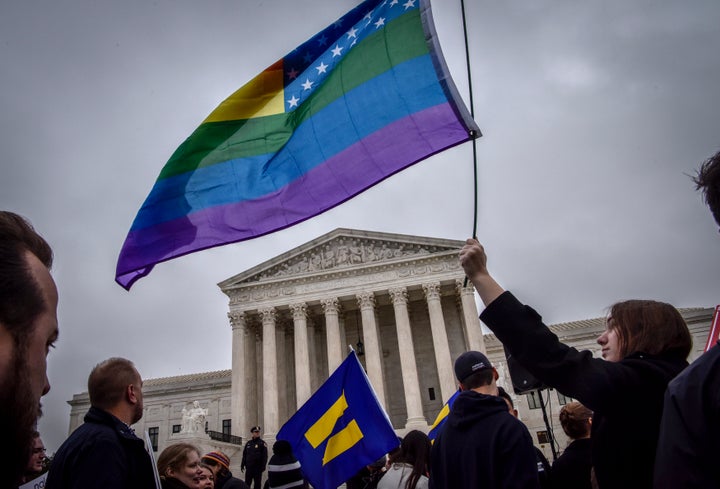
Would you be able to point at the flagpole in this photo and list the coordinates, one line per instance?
(472, 114)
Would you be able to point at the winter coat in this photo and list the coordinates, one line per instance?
(482, 445)
(103, 453)
(626, 397)
(687, 454)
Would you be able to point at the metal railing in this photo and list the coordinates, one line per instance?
(218, 436)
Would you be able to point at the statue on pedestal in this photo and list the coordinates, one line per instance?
(193, 419)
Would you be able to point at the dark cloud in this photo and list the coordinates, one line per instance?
(593, 116)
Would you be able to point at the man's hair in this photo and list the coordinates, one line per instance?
(649, 327)
(21, 300)
(708, 180)
(574, 420)
(174, 457)
(479, 379)
(108, 380)
(504, 394)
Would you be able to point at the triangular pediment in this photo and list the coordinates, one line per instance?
(342, 249)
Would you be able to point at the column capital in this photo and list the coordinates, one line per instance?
(464, 289)
(432, 290)
(398, 295)
(269, 314)
(237, 320)
(331, 305)
(366, 299)
(299, 311)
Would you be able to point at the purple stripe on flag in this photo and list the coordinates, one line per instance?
(341, 177)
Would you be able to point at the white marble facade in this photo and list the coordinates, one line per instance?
(294, 316)
(292, 320)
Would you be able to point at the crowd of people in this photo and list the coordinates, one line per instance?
(644, 418)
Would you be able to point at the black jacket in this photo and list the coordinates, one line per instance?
(482, 445)
(227, 481)
(103, 453)
(255, 455)
(572, 469)
(626, 396)
(689, 445)
(172, 483)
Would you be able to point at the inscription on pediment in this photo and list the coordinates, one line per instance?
(346, 252)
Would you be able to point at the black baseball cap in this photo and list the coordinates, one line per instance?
(470, 362)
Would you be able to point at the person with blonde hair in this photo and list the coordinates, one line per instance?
(646, 343)
(179, 467)
(572, 469)
(219, 464)
(207, 478)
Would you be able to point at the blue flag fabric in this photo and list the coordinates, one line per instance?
(340, 429)
(442, 417)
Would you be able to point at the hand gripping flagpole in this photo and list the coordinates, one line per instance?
(474, 140)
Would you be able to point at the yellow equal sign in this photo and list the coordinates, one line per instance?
(323, 427)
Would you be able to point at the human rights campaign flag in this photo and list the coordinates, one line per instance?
(340, 429)
(365, 98)
(442, 417)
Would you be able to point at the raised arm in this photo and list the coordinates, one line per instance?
(474, 261)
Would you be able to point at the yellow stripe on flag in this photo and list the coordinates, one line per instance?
(441, 415)
(342, 441)
(261, 96)
(323, 427)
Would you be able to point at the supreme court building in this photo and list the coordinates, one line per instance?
(400, 301)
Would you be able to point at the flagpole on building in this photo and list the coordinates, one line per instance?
(472, 114)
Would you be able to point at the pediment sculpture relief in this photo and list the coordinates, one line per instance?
(346, 252)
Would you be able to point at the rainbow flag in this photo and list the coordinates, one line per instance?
(365, 98)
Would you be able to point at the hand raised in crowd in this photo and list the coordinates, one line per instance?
(474, 261)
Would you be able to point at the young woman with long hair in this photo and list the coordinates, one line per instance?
(409, 469)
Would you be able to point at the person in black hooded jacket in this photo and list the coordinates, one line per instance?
(645, 345)
(481, 444)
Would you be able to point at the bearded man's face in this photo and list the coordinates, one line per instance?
(23, 373)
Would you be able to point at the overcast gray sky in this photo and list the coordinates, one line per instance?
(593, 114)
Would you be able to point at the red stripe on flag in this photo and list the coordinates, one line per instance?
(714, 330)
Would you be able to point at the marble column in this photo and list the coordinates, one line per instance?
(316, 377)
(440, 340)
(331, 307)
(259, 410)
(473, 331)
(238, 391)
(302, 359)
(270, 374)
(408, 367)
(282, 362)
(373, 355)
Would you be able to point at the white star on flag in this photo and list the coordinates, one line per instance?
(293, 102)
(352, 33)
(308, 84)
(408, 4)
(380, 22)
(337, 50)
(322, 68)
